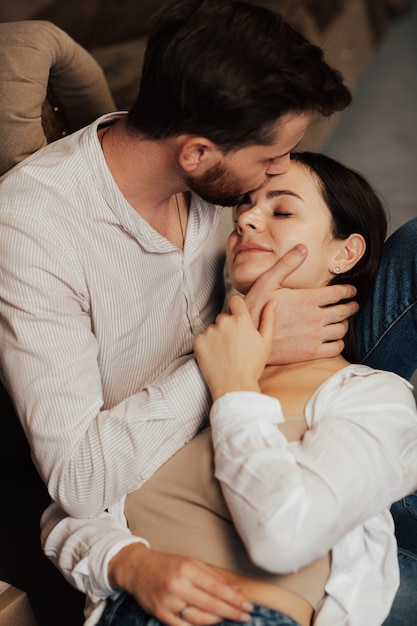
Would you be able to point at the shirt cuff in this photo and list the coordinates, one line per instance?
(98, 561)
(237, 407)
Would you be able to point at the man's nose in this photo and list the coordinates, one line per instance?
(279, 165)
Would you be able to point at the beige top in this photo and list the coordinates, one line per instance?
(181, 510)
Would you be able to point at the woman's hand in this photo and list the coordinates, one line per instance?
(163, 584)
(232, 353)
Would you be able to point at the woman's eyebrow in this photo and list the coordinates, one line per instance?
(275, 193)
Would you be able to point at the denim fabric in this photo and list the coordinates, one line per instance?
(386, 325)
(404, 513)
(386, 331)
(125, 611)
(404, 609)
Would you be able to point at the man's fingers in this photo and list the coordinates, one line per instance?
(210, 599)
(210, 610)
(264, 287)
(275, 276)
(330, 349)
(331, 303)
(335, 293)
(266, 326)
(334, 332)
(339, 312)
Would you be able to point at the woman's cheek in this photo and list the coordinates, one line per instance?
(296, 280)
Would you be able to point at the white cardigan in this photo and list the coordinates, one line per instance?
(292, 502)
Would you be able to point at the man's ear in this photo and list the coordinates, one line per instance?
(197, 153)
(351, 251)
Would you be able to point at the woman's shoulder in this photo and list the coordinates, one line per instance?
(358, 386)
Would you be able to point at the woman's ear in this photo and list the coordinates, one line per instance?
(351, 251)
(196, 153)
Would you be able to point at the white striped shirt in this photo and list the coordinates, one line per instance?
(98, 312)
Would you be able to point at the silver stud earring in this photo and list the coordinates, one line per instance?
(337, 269)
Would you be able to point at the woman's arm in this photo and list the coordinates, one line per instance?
(292, 502)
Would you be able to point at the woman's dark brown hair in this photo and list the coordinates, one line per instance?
(355, 208)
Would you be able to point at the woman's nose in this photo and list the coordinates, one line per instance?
(250, 220)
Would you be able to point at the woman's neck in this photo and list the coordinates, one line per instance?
(294, 383)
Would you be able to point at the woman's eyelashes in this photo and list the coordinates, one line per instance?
(285, 207)
(282, 213)
(278, 213)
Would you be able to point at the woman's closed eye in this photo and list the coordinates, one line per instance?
(284, 206)
(282, 213)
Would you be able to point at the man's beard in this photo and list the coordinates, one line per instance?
(217, 186)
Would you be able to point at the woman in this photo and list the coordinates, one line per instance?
(308, 456)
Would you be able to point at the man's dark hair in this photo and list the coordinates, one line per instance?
(227, 70)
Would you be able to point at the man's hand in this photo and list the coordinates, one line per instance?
(310, 323)
(163, 584)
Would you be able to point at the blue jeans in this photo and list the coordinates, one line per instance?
(386, 325)
(125, 611)
(405, 604)
(386, 331)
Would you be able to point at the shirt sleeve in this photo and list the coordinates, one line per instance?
(82, 548)
(88, 454)
(291, 502)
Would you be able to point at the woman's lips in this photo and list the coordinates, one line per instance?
(249, 247)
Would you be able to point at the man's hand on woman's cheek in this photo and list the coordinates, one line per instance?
(267, 286)
(309, 323)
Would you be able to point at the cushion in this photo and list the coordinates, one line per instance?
(44, 71)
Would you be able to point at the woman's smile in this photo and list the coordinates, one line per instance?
(248, 248)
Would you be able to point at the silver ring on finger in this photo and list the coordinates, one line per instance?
(184, 611)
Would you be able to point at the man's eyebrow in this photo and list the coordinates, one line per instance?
(276, 193)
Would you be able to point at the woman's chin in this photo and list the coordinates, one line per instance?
(245, 280)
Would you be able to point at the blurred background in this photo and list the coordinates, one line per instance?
(378, 134)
